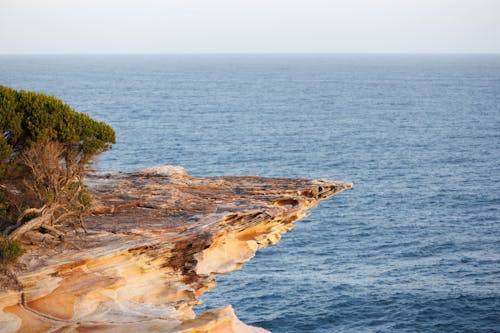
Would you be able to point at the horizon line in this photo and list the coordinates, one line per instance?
(241, 53)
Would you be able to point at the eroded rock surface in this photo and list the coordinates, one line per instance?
(157, 238)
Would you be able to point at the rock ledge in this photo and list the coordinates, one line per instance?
(157, 239)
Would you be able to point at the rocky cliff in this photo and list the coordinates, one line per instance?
(156, 240)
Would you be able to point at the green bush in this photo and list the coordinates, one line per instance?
(45, 150)
(84, 198)
(28, 118)
(10, 250)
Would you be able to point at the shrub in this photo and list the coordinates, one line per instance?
(10, 250)
(28, 118)
(45, 149)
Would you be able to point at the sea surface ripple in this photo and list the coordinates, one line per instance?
(414, 247)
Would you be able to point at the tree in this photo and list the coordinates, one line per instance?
(45, 149)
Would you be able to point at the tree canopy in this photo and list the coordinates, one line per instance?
(44, 148)
(29, 118)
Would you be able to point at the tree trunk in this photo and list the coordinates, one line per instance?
(37, 222)
(21, 217)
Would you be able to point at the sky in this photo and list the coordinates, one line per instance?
(249, 26)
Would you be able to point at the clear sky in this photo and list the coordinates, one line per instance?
(249, 26)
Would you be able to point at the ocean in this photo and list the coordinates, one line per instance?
(413, 247)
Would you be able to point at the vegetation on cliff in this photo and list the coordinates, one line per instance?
(45, 149)
(10, 249)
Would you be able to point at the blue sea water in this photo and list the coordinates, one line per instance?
(413, 247)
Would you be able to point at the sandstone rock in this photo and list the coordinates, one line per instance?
(157, 239)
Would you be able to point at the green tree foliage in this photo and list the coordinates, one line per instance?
(44, 148)
(10, 249)
(28, 118)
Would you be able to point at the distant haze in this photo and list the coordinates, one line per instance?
(250, 26)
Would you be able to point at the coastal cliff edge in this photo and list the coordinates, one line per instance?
(156, 240)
